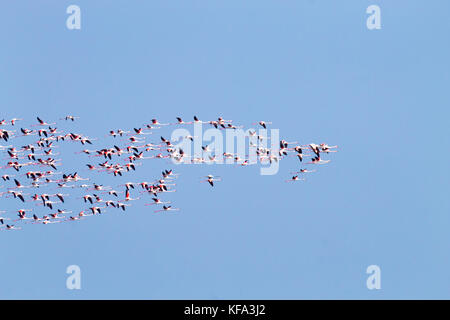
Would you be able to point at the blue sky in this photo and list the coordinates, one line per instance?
(310, 67)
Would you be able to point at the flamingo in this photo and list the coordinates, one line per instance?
(129, 185)
(180, 121)
(45, 221)
(49, 204)
(12, 155)
(295, 178)
(128, 197)
(12, 227)
(229, 126)
(122, 206)
(155, 122)
(196, 120)
(135, 148)
(60, 196)
(27, 132)
(4, 134)
(19, 185)
(69, 117)
(167, 208)
(252, 134)
(326, 148)
(88, 198)
(36, 218)
(96, 210)
(18, 195)
(71, 218)
(99, 187)
(140, 131)
(317, 160)
(303, 171)
(113, 193)
(168, 173)
(63, 211)
(214, 123)
(131, 166)
(263, 124)
(22, 215)
(14, 120)
(157, 201)
(220, 120)
(43, 123)
(315, 148)
(82, 214)
(210, 179)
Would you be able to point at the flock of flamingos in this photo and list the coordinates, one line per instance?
(31, 177)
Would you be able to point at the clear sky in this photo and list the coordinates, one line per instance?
(314, 70)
